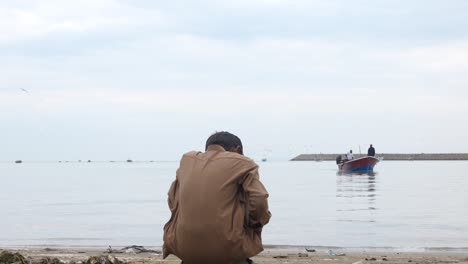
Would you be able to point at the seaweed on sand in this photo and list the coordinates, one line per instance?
(7, 257)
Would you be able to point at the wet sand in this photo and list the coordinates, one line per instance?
(270, 255)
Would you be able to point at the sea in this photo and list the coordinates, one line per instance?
(403, 204)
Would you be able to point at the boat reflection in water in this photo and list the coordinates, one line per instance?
(356, 196)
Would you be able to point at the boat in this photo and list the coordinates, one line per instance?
(363, 164)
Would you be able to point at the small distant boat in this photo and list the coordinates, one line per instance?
(364, 164)
(129, 160)
(264, 159)
(18, 161)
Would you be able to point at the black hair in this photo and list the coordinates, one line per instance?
(226, 140)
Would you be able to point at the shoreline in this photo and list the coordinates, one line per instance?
(278, 248)
(271, 254)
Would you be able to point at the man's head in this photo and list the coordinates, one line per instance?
(227, 140)
(371, 145)
(350, 151)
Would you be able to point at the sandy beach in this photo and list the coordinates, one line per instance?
(270, 255)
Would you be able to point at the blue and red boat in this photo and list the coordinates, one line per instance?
(363, 164)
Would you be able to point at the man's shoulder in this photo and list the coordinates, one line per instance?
(235, 156)
(225, 155)
(192, 153)
(235, 160)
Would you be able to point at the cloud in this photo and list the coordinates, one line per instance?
(364, 20)
(451, 57)
(40, 19)
(179, 72)
(280, 103)
(335, 19)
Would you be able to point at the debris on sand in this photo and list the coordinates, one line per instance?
(139, 249)
(280, 257)
(302, 255)
(7, 257)
(48, 260)
(111, 250)
(104, 260)
(333, 253)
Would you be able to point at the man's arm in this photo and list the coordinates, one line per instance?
(257, 200)
(172, 200)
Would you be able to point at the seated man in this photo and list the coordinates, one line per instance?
(339, 159)
(350, 155)
(218, 205)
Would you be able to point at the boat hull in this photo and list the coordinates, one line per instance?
(364, 164)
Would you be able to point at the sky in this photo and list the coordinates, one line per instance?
(150, 80)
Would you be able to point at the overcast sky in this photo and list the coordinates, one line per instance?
(110, 79)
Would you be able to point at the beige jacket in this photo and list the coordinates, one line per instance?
(218, 208)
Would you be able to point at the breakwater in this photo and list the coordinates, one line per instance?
(389, 156)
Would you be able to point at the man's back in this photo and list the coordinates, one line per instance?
(209, 201)
(371, 151)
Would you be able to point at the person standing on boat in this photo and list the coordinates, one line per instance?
(350, 156)
(218, 205)
(371, 151)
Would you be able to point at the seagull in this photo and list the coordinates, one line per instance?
(24, 90)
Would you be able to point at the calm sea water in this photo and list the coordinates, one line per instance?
(406, 204)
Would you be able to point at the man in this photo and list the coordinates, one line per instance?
(350, 156)
(218, 205)
(371, 151)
